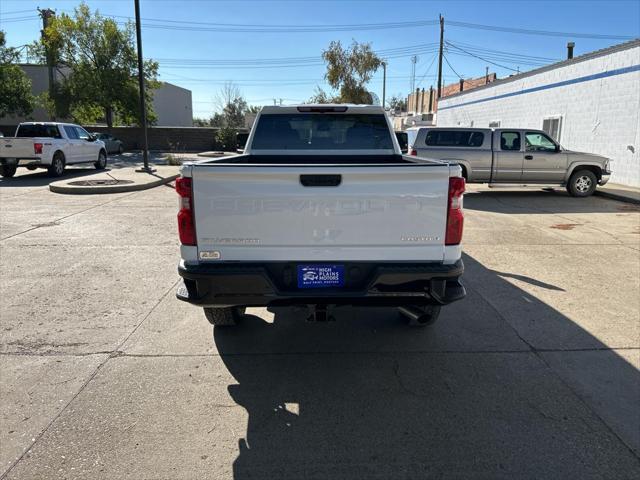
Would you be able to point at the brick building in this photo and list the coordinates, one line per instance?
(426, 101)
(589, 103)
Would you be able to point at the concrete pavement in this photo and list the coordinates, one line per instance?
(623, 193)
(104, 374)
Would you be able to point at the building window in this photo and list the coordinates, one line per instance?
(494, 124)
(553, 127)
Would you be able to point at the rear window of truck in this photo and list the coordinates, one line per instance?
(31, 131)
(454, 138)
(322, 131)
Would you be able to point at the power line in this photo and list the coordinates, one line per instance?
(280, 28)
(397, 51)
(169, 24)
(19, 19)
(481, 58)
(471, 46)
(526, 31)
(452, 69)
(31, 10)
(507, 57)
(427, 70)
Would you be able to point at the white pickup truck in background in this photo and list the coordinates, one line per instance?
(49, 145)
(321, 210)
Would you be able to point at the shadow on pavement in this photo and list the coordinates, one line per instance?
(537, 201)
(373, 412)
(40, 178)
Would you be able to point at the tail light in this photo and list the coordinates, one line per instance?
(455, 216)
(37, 148)
(414, 152)
(186, 225)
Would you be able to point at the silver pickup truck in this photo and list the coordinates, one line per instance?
(513, 155)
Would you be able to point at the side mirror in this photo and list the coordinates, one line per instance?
(557, 148)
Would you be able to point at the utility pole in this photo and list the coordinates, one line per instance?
(47, 14)
(143, 104)
(414, 60)
(384, 83)
(486, 75)
(440, 57)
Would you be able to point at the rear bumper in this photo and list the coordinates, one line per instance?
(272, 284)
(22, 161)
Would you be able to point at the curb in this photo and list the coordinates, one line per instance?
(618, 197)
(56, 187)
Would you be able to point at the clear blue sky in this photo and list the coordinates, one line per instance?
(173, 44)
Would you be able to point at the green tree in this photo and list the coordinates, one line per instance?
(320, 96)
(350, 69)
(397, 102)
(100, 80)
(15, 86)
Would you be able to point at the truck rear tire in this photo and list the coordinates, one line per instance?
(56, 169)
(101, 164)
(582, 183)
(223, 317)
(8, 171)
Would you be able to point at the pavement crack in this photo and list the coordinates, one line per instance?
(67, 216)
(403, 387)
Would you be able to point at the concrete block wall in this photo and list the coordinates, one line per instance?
(599, 115)
(188, 139)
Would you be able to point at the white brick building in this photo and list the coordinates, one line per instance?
(590, 103)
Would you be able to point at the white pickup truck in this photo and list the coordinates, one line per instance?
(49, 145)
(321, 210)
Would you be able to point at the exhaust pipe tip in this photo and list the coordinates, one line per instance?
(420, 317)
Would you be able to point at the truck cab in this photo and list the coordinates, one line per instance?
(513, 155)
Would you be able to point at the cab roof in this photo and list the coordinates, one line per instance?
(323, 108)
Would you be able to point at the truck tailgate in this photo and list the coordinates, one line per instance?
(16, 148)
(373, 213)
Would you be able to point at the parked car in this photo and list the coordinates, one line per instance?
(50, 145)
(403, 141)
(513, 155)
(112, 144)
(322, 209)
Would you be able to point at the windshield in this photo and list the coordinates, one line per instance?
(322, 131)
(38, 130)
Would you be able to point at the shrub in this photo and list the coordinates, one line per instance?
(226, 139)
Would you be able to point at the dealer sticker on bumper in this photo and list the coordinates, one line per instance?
(320, 276)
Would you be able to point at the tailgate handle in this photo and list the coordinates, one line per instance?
(320, 180)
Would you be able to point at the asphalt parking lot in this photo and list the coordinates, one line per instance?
(104, 374)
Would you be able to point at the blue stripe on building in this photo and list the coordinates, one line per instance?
(587, 78)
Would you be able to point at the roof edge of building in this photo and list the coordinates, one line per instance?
(581, 58)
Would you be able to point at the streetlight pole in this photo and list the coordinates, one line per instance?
(143, 105)
(384, 83)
